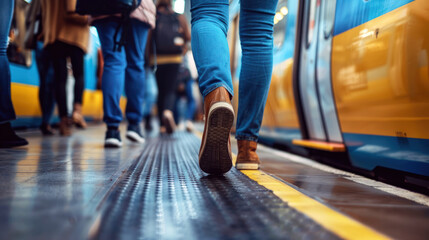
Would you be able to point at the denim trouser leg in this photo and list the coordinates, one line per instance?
(135, 73)
(7, 112)
(46, 85)
(190, 101)
(209, 44)
(256, 34)
(113, 72)
(151, 92)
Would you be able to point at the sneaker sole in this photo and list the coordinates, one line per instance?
(215, 157)
(247, 166)
(133, 136)
(113, 143)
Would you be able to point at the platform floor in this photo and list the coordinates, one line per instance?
(74, 188)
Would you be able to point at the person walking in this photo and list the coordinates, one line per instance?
(8, 137)
(151, 94)
(185, 91)
(124, 67)
(33, 40)
(171, 36)
(66, 35)
(46, 88)
(210, 49)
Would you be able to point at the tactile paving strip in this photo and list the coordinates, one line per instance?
(167, 196)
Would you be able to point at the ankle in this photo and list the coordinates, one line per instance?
(113, 128)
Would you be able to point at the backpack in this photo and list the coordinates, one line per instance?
(168, 39)
(108, 7)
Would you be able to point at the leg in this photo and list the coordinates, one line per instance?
(256, 34)
(113, 72)
(76, 58)
(58, 52)
(190, 101)
(151, 92)
(46, 91)
(135, 73)
(135, 78)
(190, 105)
(160, 72)
(211, 54)
(166, 76)
(8, 138)
(209, 44)
(7, 112)
(169, 80)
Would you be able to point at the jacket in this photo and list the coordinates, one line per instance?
(61, 23)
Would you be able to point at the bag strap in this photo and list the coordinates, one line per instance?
(125, 24)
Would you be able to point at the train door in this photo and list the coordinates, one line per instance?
(316, 99)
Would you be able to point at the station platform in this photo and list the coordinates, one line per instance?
(74, 188)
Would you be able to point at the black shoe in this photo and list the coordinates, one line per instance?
(113, 139)
(46, 129)
(8, 138)
(134, 133)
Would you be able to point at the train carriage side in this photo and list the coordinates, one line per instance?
(381, 83)
(357, 82)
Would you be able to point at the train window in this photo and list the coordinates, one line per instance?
(311, 23)
(280, 20)
(328, 17)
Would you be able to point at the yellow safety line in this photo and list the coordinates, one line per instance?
(334, 221)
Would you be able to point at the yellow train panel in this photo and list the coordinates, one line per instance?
(380, 74)
(280, 110)
(26, 102)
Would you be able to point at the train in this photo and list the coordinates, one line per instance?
(350, 85)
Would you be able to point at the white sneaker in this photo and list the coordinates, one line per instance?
(134, 133)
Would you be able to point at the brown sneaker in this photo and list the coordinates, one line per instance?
(247, 159)
(215, 152)
(65, 129)
(77, 116)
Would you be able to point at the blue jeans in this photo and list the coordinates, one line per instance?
(211, 54)
(187, 112)
(151, 93)
(124, 67)
(46, 85)
(7, 112)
